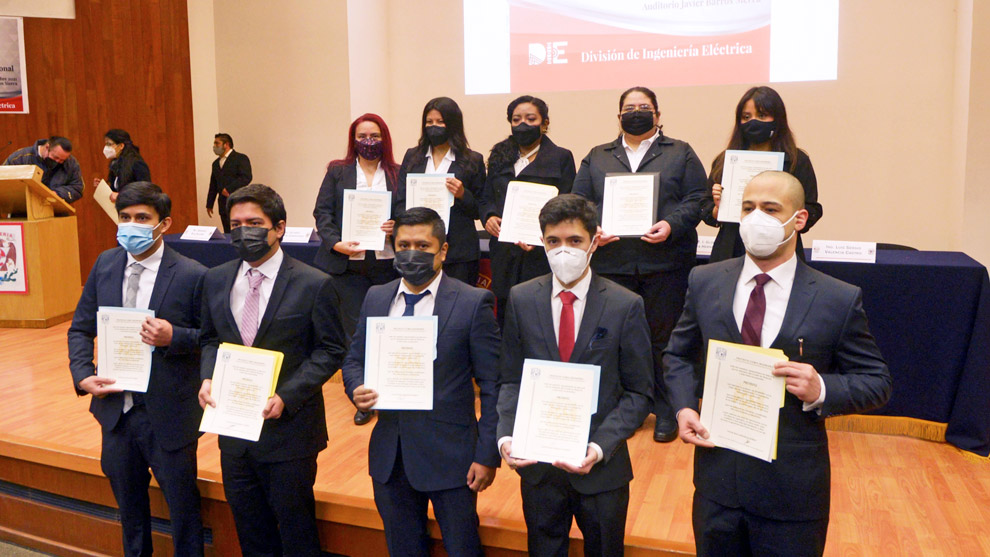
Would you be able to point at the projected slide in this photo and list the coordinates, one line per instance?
(516, 46)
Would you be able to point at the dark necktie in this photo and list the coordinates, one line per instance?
(411, 300)
(565, 338)
(752, 325)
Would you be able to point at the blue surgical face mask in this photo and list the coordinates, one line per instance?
(136, 238)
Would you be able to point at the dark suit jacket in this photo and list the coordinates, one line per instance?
(553, 166)
(172, 399)
(128, 167)
(439, 445)
(329, 213)
(235, 174)
(728, 243)
(461, 234)
(828, 314)
(300, 321)
(614, 335)
(682, 183)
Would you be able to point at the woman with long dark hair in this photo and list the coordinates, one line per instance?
(527, 155)
(368, 164)
(126, 163)
(760, 125)
(443, 149)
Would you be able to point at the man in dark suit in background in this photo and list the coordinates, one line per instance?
(574, 315)
(743, 505)
(268, 300)
(160, 428)
(444, 455)
(231, 171)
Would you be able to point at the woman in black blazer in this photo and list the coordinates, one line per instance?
(760, 125)
(443, 149)
(527, 155)
(126, 163)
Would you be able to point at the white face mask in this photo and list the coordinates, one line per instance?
(569, 263)
(762, 234)
(109, 152)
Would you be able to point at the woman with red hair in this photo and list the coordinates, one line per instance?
(367, 165)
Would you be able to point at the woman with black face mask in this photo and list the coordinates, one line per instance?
(367, 165)
(760, 125)
(443, 149)
(527, 155)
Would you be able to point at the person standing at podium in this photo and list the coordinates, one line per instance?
(54, 157)
(231, 171)
(126, 163)
(159, 428)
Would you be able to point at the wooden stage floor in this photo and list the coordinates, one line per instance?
(890, 495)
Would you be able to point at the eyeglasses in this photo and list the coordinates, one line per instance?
(634, 108)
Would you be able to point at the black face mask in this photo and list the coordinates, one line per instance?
(51, 163)
(415, 266)
(756, 131)
(525, 135)
(637, 122)
(251, 242)
(436, 135)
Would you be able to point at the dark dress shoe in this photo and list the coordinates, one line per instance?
(665, 430)
(361, 417)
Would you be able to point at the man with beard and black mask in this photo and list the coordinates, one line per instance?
(574, 315)
(445, 455)
(268, 300)
(655, 265)
(54, 157)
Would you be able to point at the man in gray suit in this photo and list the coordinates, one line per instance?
(743, 505)
(574, 315)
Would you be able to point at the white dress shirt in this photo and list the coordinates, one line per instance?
(378, 183)
(146, 284)
(423, 307)
(636, 157)
(223, 157)
(448, 158)
(777, 292)
(524, 161)
(238, 294)
(581, 291)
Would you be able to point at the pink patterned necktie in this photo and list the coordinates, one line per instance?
(249, 317)
(756, 309)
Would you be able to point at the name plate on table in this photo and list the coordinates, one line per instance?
(705, 245)
(201, 233)
(299, 235)
(853, 252)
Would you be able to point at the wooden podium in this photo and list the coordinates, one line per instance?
(50, 257)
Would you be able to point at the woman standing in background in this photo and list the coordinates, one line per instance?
(126, 163)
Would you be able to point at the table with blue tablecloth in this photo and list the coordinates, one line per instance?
(929, 311)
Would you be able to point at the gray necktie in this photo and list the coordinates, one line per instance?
(130, 300)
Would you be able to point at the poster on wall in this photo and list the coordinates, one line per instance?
(13, 83)
(13, 274)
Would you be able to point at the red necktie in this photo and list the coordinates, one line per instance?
(565, 339)
(752, 325)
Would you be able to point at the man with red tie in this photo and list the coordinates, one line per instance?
(768, 298)
(574, 315)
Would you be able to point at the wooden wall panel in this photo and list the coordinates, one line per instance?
(117, 65)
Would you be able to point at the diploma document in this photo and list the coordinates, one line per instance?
(121, 354)
(521, 215)
(102, 197)
(364, 213)
(629, 203)
(553, 416)
(244, 378)
(742, 399)
(398, 361)
(738, 169)
(430, 191)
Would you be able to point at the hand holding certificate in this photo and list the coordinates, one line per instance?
(244, 378)
(629, 203)
(122, 355)
(742, 398)
(364, 214)
(738, 169)
(553, 415)
(398, 361)
(430, 191)
(102, 197)
(521, 216)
